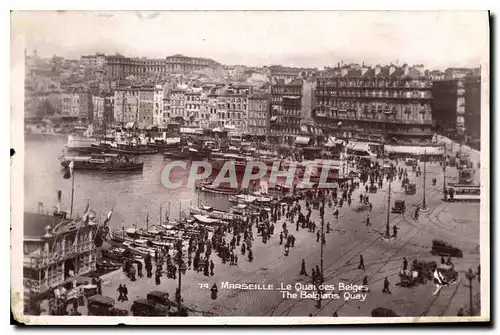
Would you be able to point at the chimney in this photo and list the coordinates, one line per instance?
(377, 70)
(392, 69)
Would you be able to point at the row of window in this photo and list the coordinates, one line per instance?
(417, 83)
(375, 94)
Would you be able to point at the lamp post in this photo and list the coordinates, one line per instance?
(182, 270)
(321, 251)
(470, 276)
(387, 228)
(424, 203)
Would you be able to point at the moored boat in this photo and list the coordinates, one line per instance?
(103, 162)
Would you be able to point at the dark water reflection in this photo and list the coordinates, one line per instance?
(132, 195)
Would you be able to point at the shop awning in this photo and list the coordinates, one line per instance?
(302, 140)
(130, 125)
(414, 150)
(187, 130)
(274, 118)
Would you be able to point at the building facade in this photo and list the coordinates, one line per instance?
(70, 105)
(258, 115)
(158, 105)
(98, 109)
(377, 104)
(120, 67)
(193, 105)
(286, 107)
(456, 105)
(97, 60)
(146, 106)
(232, 111)
(126, 105)
(56, 250)
(178, 105)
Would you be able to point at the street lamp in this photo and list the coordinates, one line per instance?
(424, 203)
(470, 276)
(182, 270)
(387, 228)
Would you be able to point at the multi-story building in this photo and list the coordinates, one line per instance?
(121, 67)
(376, 104)
(146, 106)
(85, 106)
(178, 105)
(232, 111)
(56, 250)
(184, 64)
(98, 109)
(70, 105)
(286, 107)
(167, 106)
(97, 60)
(158, 105)
(193, 104)
(126, 105)
(108, 116)
(456, 104)
(258, 115)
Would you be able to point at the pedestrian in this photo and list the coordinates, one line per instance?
(405, 264)
(157, 277)
(303, 271)
(318, 273)
(335, 314)
(386, 286)
(365, 283)
(395, 231)
(250, 255)
(120, 291)
(236, 260)
(371, 206)
(366, 188)
(361, 262)
(461, 312)
(206, 272)
(313, 275)
(317, 236)
(139, 269)
(243, 248)
(125, 293)
(212, 265)
(214, 291)
(281, 238)
(368, 220)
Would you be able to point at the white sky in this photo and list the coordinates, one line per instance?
(313, 39)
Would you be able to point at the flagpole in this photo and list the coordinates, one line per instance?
(72, 188)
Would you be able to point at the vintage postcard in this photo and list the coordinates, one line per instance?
(252, 167)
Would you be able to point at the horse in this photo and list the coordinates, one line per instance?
(444, 276)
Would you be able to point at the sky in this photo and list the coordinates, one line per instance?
(438, 39)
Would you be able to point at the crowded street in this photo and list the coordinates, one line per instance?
(348, 238)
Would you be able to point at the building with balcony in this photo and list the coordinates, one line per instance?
(286, 107)
(193, 105)
(56, 250)
(456, 104)
(158, 105)
(258, 115)
(378, 104)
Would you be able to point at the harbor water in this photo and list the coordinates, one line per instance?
(133, 196)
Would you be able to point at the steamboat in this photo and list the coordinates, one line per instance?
(103, 162)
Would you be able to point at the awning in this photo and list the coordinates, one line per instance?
(130, 125)
(415, 150)
(292, 97)
(302, 140)
(304, 129)
(273, 118)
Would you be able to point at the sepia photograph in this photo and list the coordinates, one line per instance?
(250, 167)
